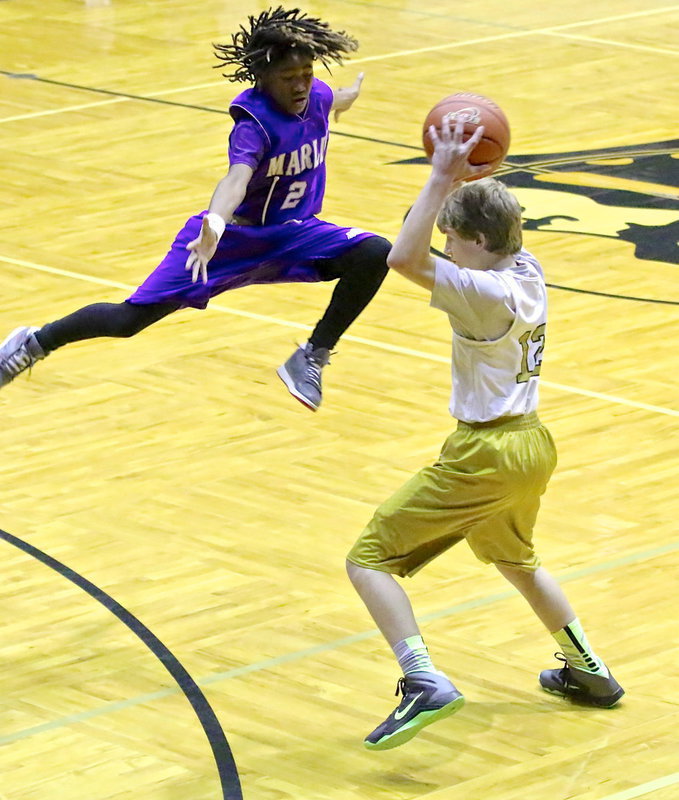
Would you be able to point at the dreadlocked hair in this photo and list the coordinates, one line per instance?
(271, 37)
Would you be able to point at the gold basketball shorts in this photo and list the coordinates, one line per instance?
(484, 488)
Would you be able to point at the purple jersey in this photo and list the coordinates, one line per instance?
(286, 151)
(285, 241)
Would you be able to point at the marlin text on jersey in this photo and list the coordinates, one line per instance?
(308, 156)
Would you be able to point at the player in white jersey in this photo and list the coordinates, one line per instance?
(486, 485)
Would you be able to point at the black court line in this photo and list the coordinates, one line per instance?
(30, 76)
(437, 252)
(614, 296)
(589, 291)
(226, 766)
(209, 109)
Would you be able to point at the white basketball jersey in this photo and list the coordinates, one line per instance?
(495, 377)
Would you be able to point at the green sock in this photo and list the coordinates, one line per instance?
(413, 656)
(578, 651)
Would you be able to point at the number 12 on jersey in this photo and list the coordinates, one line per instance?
(531, 356)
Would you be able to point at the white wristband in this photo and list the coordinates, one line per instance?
(216, 223)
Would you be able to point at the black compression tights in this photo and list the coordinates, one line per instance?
(361, 271)
(101, 319)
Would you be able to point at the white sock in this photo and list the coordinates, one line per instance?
(413, 656)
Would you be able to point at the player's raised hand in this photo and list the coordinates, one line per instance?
(451, 153)
(344, 98)
(201, 251)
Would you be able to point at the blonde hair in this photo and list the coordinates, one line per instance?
(484, 206)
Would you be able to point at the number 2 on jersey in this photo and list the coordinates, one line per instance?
(295, 194)
(538, 337)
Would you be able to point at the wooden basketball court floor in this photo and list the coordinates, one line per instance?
(174, 524)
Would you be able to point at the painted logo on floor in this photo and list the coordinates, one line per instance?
(626, 193)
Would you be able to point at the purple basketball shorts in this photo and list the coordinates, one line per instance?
(246, 254)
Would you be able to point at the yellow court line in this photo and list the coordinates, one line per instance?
(391, 348)
(79, 107)
(515, 35)
(446, 46)
(66, 273)
(644, 788)
(616, 18)
(640, 790)
(63, 109)
(609, 42)
(554, 30)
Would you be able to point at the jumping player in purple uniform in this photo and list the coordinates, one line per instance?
(261, 226)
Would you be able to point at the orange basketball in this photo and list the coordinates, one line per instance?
(475, 110)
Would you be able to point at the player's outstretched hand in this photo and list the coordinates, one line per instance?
(201, 251)
(451, 153)
(344, 98)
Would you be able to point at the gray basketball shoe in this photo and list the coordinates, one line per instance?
(427, 697)
(301, 373)
(586, 687)
(18, 352)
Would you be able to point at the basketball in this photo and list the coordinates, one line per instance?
(474, 110)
